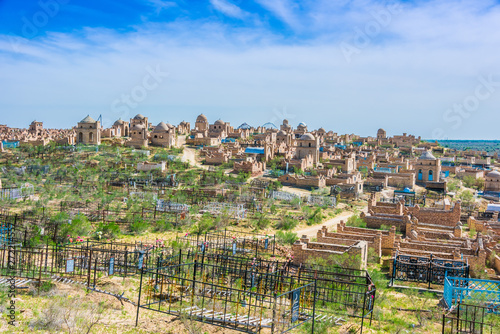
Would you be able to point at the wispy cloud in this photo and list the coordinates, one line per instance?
(229, 9)
(283, 10)
(426, 59)
(160, 5)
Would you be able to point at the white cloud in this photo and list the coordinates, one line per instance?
(282, 9)
(161, 5)
(404, 83)
(229, 9)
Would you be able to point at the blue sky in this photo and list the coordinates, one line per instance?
(424, 67)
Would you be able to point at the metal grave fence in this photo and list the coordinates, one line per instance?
(458, 290)
(283, 195)
(241, 300)
(469, 319)
(429, 270)
(237, 211)
(322, 200)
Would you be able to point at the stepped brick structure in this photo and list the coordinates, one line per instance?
(349, 253)
(397, 214)
(250, 165)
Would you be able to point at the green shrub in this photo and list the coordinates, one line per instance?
(163, 226)
(295, 202)
(205, 224)
(109, 230)
(138, 226)
(286, 223)
(316, 217)
(78, 226)
(287, 238)
(355, 221)
(261, 221)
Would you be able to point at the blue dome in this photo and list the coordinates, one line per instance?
(244, 126)
(270, 125)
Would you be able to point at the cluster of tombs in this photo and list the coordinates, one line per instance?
(393, 228)
(138, 133)
(36, 135)
(305, 158)
(317, 158)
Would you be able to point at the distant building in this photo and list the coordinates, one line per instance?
(381, 134)
(35, 128)
(428, 168)
(164, 135)
(88, 131)
(492, 181)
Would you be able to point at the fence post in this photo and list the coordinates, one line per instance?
(40, 274)
(391, 283)
(429, 273)
(126, 263)
(90, 266)
(139, 299)
(314, 307)
(95, 271)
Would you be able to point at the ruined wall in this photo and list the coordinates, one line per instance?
(386, 208)
(373, 242)
(376, 222)
(436, 216)
(354, 256)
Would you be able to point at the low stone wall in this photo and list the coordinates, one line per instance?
(436, 216)
(387, 220)
(432, 231)
(354, 256)
(373, 242)
(426, 247)
(402, 180)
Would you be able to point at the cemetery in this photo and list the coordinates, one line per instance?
(162, 243)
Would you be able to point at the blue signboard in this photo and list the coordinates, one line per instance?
(111, 266)
(202, 248)
(70, 265)
(295, 305)
(266, 243)
(253, 280)
(234, 248)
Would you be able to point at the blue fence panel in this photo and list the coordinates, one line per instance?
(10, 144)
(459, 290)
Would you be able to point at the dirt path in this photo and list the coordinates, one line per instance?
(189, 154)
(311, 231)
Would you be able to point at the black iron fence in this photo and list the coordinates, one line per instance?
(430, 270)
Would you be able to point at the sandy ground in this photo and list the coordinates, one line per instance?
(189, 153)
(297, 191)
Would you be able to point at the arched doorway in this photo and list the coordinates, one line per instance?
(431, 176)
(80, 137)
(91, 137)
(420, 175)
